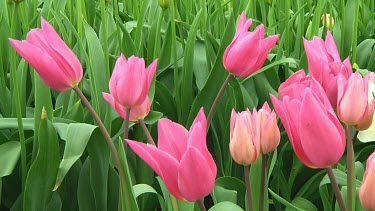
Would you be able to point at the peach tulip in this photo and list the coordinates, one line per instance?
(269, 131)
(367, 190)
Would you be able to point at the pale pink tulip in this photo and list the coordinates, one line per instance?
(131, 80)
(269, 131)
(315, 133)
(52, 59)
(181, 159)
(248, 50)
(244, 143)
(353, 106)
(325, 64)
(367, 190)
(136, 113)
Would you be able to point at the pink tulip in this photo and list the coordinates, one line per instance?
(269, 131)
(182, 159)
(244, 143)
(353, 106)
(136, 113)
(325, 64)
(51, 58)
(367, 190)
(131, 80)
(314, 131)
(248, 50)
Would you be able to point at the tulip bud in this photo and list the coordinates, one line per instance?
(367, 190)
(269, 2)
(244, 143)
(164, 4)
(328, 21)
(269, 131)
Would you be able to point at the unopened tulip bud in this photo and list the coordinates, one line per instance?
(269, 131)
(367, 190)
(164, 4)
(328, 21)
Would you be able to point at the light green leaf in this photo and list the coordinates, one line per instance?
(226, 205)
(9, 155)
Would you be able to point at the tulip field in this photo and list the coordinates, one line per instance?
(187, 105)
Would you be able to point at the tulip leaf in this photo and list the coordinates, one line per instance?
(226, 205)
(9, 154)
(85, 194)
(284, 202)
(303, 204)
(153, 117)
(42, 174)
(11, 123)
(228, 187)
(140, 189)
(340, 177)
(77, 137)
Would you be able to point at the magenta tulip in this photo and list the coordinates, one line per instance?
(52, 59)
(182, 159)
(315, 133)
(325, 64)
(136, 113)
(269, 131)
(131, 80)
(244, 143)
(248, 50)
(353, 106)
(367, 190)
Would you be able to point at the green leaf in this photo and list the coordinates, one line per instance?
(85, 194)
(153, 117)
(226, 205)
(9, 154)
(227, 188)
(42, 174)
(284, 202)
(303, 204)
(77, 137)
(140, 189)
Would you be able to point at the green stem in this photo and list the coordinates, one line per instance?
(248, 187)
(201, 205)
(342, 45)
(336, 189)
(112, 148)
(350, 169)
(17, 101)
(263, 182)
(147, 133)
(355, 33)
(217, 99)
(105, 38)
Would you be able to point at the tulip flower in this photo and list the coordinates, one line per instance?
(244, 143)
(328, 21)
(315, 133)
(131, 80)
(369, 134)
(325, 64)
(136, 113)
(52, 59)
(269, 131)
(248, 50)
(367, 190)
(353, 106)
(181, 159)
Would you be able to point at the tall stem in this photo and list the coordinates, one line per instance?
(263, 182)
(350, 166)
(112, 148)
(336, 189)
(147, 133)
(201, 204)
(248, 188)
(217, 99)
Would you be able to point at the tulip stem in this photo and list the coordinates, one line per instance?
(201, 204)
(350, 167)
(216, 101)
(112, 148)
(147, 133)
(336, 189)
(248, 188)
(262, 182)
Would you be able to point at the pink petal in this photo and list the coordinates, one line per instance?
(331, 47)
(195, 180)
(161, 162)
(121, 110)
(172, 138)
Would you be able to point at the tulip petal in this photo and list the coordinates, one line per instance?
(367, 189)
(121, 110)
(331, 47)
(321, 139)
(172, 138)
(161, 162)
(194, 179)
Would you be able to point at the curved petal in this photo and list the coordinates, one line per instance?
(331, 47)
(172, 138)
(194, 179)
(161, 162)
(121, 110)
